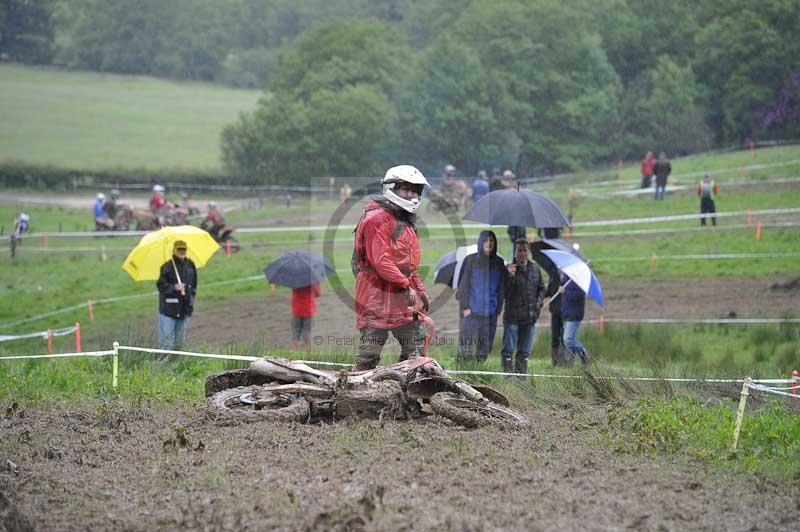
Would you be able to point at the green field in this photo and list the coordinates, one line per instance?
(99, 121)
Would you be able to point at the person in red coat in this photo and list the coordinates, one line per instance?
(304, 307)
(385, 262)
(647, 169)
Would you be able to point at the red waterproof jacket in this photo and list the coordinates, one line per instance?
(386, 259)
(304, 304)
(647, 165)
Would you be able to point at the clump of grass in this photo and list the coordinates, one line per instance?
(769, 440)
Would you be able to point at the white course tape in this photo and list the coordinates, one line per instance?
(187, 353)
(41, 334)
(710, 256)
(663, 230)
(244, 358)
(699, 321)
(766, 389)
(466, 225)
(61, 355)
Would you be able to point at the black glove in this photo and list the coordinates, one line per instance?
(409, 297)
(426, 305)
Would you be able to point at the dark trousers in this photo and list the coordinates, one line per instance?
(707, 207)
(556, 330)
(372, 340)
(478, 338)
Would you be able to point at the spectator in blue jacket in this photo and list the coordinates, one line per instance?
(481, 288)
(572, 307)
(480, 187)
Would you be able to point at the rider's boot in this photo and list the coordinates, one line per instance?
(520, 364)
(507, 367)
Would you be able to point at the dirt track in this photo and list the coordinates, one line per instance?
(266, 319)
(146, 469)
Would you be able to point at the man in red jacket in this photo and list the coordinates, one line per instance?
(385, 262)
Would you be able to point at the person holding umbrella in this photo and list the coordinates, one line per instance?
(524, 295)
(304, 307)
(177, 288)
(580, 282)
(572, 308)
(385, 261)
(302, 271)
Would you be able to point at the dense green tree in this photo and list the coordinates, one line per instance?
(342, 52)
(747, 55)
(26, 31)
(447, 111)
(559, 93)
(331, 109)
(662, 111)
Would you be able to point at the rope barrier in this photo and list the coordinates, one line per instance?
(40, 334)
(246, 358)
(312, 228)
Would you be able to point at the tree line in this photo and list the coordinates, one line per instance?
(538, 86)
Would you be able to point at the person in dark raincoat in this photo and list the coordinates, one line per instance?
(481, 288)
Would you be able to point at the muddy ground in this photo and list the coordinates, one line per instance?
(126, 468)
(265, 320)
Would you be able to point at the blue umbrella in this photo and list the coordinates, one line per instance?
(579, 272)
(449, 266)
(448, 269)
(517, 207)
(552, 243)
(298, 268)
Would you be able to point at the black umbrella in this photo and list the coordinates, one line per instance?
(517, 207)
(298, 268)
(553, 243)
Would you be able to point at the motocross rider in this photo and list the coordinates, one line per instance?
(385, 262)
(158, 204)
(101, 218)
(214, 222)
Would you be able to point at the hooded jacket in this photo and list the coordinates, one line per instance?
(170, 302)
(385, 262)
(481, 286)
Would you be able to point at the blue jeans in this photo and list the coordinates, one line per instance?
(660, 191)
(478, 336)
(171, 332)
(517, 338)
(571, 341)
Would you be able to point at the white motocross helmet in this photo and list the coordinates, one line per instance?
(403, 174)
(158, 188)
(101, 196)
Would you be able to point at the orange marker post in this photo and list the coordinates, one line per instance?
(652, 266)
(749, 217)
(77, 337)
(569, 231)
(50, 341)
(90, 306)
(795, 381)
(228, 248)
(44, 240)
(758, 230)
(272, 285)
(601, 325)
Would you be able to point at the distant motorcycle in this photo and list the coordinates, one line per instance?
(222, 235)
(121, 216)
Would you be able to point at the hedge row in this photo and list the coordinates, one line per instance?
(19, 174)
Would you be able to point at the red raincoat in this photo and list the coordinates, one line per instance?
(387, 260)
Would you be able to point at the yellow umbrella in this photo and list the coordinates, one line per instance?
(154, 249)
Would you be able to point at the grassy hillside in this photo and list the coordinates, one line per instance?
(94, 121)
